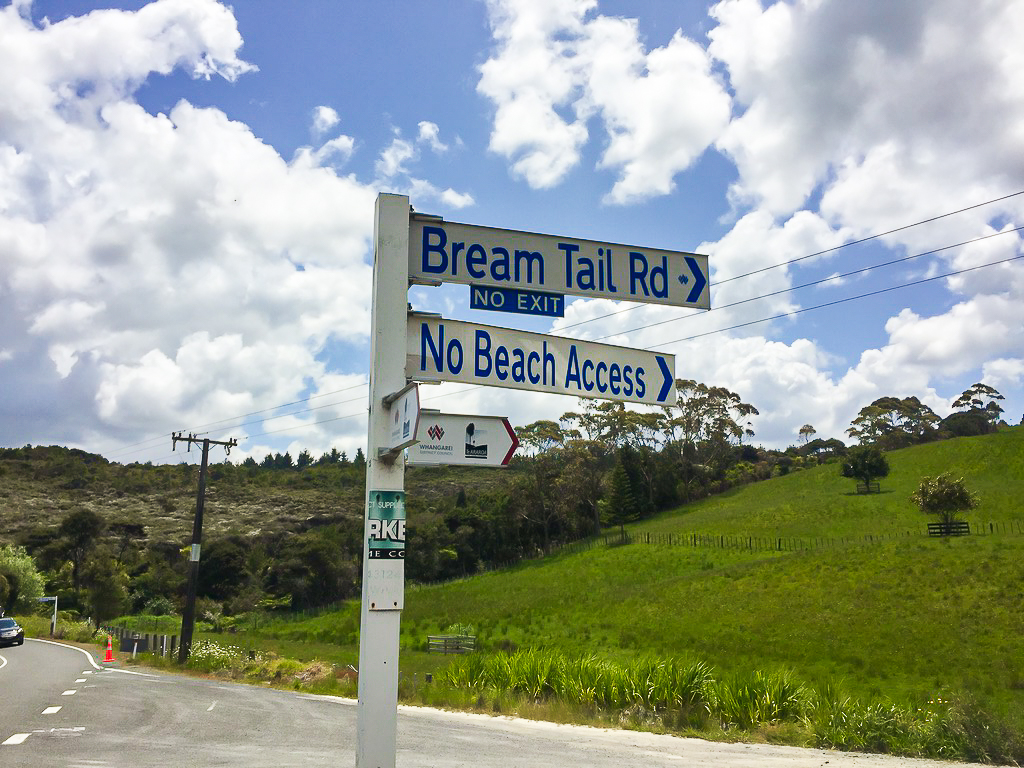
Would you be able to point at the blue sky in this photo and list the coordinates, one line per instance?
(186, 195)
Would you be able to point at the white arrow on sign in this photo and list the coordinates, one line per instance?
(448, 252)
(451, 350)
(451, 438)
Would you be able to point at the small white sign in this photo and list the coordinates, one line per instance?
(451, 350)
(474, 441)
(404, 419)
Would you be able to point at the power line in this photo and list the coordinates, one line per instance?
(872, 237)
(812, 255)
(718, 330)
(195, 430)
(662, 322)
(811, 284)
(838, 301)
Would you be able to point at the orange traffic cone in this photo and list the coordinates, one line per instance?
(110, 650)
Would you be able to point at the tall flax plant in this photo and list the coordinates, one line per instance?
(588, 681)
(746, 700)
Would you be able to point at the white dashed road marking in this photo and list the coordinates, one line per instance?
(80, 680)
(72, 692)
(51, 710)
(210, 708)
(15, 739)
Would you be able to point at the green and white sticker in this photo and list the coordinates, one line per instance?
(386, 525)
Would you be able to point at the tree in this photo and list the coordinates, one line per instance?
(535, 493)
(894, 423)
(20, 581)
(968, 423)
(974, 397)
(108, 591)
(222, 574)
(79, 533)
(944, 497)
(703, 426)
(333, 457)
(823, 450)
(359, 462)
(865, 462)
(806, 433)
(305, 460)
(620, 506)
(611, 422)
(127, 533)
(541, 435)
(579, 482)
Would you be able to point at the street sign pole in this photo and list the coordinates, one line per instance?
(53, 621)
(383, 579)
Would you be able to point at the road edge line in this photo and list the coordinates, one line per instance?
(65, 645)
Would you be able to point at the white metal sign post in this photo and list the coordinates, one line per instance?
(509, 271)
(384, 537)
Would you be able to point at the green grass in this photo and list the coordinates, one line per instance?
(895, 621)
(820, 503)
(907, 617)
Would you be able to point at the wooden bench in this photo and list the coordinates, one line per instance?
(955, 528)
(868, 488)
(451, 643)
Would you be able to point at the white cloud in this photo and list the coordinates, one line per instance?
(554, 68)
(393, 159)
(532, 76)
(827, 85)
(170, 267)
(324, 119)
(429, 134)
(1004, 372)
(660, 110)
(845, 107)
(393, 171)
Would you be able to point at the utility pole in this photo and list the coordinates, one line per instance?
(188, 615)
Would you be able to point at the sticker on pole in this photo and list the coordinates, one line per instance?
(384, 587)
(386, 525)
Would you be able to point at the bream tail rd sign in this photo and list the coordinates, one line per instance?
(452, 350)
(469, 441)
(449, 252)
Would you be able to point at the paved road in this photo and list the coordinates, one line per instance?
(118, 717)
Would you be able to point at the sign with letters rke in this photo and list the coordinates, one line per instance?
(449, 252)
(452, 350)
(385, 550)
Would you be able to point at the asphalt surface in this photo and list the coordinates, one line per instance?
(125, 718)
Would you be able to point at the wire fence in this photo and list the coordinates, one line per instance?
(775, 543)
(696, 540)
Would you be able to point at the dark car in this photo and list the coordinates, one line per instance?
(11, 633)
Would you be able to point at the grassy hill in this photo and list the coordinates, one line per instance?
(874, 603)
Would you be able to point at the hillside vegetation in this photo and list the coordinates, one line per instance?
(872, 601)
